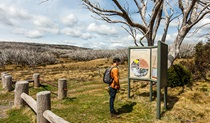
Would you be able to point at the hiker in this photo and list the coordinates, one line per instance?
(114, 86)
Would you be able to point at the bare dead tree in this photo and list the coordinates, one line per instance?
(192, 12)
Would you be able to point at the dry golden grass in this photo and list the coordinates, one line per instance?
(191, 105)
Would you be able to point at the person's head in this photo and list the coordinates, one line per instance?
(117, 61)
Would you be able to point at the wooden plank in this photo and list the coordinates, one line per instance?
(30, 101)
(53, 118)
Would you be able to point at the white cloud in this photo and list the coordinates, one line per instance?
(20, 31)
(117, 46)
(43, 21)
(69, 20)
(10, 15)
(53, 30)
(71, 32)
(28, 33)
(13, 11)
(102, 29)
(25, 23)
(34, 34)
(76, 33)
(87, 36)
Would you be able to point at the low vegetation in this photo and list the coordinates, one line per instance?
(32, 54)
(178, 76)
(199, 65)
(202, 59)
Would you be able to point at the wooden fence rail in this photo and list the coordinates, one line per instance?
(43, 104)
(53, 118)
(30, 101)
(41, 107)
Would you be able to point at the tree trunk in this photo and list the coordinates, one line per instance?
(175, 47)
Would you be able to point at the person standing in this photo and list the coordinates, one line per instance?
(114, 86)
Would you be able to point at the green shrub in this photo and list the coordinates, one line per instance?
(191, 67)
(202, 58)
(178, 76)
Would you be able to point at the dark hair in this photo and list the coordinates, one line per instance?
(116, 60)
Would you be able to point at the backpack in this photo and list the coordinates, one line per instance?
(107, 76)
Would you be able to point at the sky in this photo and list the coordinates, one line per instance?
(62, 22)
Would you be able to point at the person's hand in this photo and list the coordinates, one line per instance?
(117, 87)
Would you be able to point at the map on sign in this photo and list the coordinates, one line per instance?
(139, 67)
(140, 63)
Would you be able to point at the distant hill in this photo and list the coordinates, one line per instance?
(26, 45)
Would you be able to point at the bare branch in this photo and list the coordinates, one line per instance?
(206, 35)
(197, 29)
(132, 33)
(189, 10)
(96, 9)
(43, 1)
(158, 7)
(122, 13)
(200, 18)
(158, 19)
(127, 18)
(203, 4)
(142, 10)
(140, 41)
(181, 6)
(155, 17)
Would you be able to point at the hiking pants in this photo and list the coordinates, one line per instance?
(112, 98)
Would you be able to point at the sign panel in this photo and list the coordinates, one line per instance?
(140, 63)
(150, 63)
(154, 63)
(163, 64)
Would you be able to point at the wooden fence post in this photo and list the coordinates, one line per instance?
(62, 88)
(36, 77)
(43, 103)
(8, 83)
(20, 87)
(2, 78)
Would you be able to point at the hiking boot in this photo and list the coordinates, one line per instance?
(115, 115)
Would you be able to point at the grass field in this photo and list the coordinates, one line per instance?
(88, 100)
